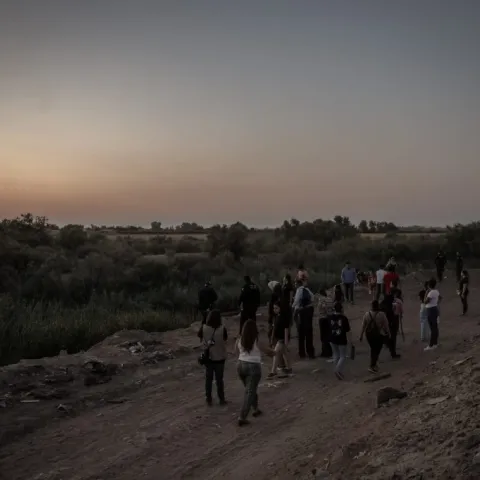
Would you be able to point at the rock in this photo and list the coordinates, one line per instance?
(99, 368)
(377, 378)
(461, 362)
(434, 401)
(386, 394)
(156, 357)
(59, 377)
(476, 459)
(48, 394)
(96, 380)
(64, 408)
(472, 441)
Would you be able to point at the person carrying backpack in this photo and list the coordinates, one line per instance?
(303, 307)
(340, 337)
(214, 337)
(375, 327)
(249, 301)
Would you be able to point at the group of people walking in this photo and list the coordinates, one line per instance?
(293, 303)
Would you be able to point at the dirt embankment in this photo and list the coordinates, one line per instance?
(133, 406)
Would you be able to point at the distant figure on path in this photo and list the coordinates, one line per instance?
(375, 327)
(393, 324)
(326, 308)
(340, 337)
(214, 336)
(338, 295)
(463, 290)
(249, 301)
(458, 266)
(389, 279)
(275, 298)
(348, 277)
(288, 291)
(304, 308)
(249, 368)
(392, 263)
(423, 313)
(279, 340)
(207, 296)
(432, 301)
(440, 262)
(380, 274)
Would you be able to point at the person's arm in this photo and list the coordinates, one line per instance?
(297, 299)
(241, 299)
(386, 327)
(342, 276)
(200, 332)
(364, 327)
(265, 349)
(225, 334)
(427, 298)
(236, 349)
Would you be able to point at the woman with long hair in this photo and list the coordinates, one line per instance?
(432, 301)
(250, 368)
(214, 336)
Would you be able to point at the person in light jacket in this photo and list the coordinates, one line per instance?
(348, 277)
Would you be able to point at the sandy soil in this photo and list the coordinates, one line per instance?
(149, 420)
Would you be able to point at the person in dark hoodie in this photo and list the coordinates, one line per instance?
(458, 266)
(207, 296)
(275, 298)
(387, 307)
(440, 262)
(249, 301)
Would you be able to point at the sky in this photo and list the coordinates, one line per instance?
(217, 111)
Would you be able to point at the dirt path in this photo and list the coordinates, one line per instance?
(164, 430)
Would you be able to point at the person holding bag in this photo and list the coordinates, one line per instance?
(214, 336)
(375, 326)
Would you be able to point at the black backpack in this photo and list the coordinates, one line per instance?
(306, 299)
(204, 357)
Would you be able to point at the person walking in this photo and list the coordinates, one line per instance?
(432, 301)
(390, 279)
(380, 274)
(279, 341)
(249, 368)
(286, 300)
(249, 301)
(214, 336)
(326, 308)
(423, 313)
(304, 308)
(302, 274)
(275, 298)
(207, 296)
(440, 262)
(463, 290)
(393, 324)
(458, 266)
(348, 277)
(340, 337)
(375, 327)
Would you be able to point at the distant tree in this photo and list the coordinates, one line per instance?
(72, 237)
(156, 226)
(363, 227)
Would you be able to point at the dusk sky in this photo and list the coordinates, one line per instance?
(125, 112)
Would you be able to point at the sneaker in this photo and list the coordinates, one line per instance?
(223, 402)
(427, 348)
(339, 375)
(242, 422)
(330, 360)
(372, 370)
(434, 347)
(287, 371)
(271, 375)
(257, 413)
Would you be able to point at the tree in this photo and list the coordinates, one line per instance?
(156, 226)
(71, 237)
(363, 227)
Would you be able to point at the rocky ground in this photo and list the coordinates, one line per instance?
(133, 407)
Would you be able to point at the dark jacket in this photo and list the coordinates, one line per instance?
(440, 261)
(249, 297)
(459, 264)
(207, 296)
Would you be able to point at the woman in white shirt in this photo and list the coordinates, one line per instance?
(432, 300)
(250, 368)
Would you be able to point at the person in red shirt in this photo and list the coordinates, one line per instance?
(391, 277)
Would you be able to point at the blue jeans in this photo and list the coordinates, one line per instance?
(339, 356)
(424, 328)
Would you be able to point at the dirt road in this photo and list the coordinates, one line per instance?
(314, 425)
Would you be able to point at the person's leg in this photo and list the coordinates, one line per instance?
(301, 334)
(377, 348)
(219, 369)
(392, 344)
(342, 355)
(433, 323)
(243, 319)
(309, 332)
(256, 376)
(204, 316)
(275, 360)
(372, 345)
(335, 354)
(464, 300)
(208, 382)
(352, 289)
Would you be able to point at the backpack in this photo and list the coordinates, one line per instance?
(204, 357)
(372, 326)
(306, 299)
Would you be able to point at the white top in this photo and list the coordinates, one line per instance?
(433, 295)
(254, 356)
(380, 275)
